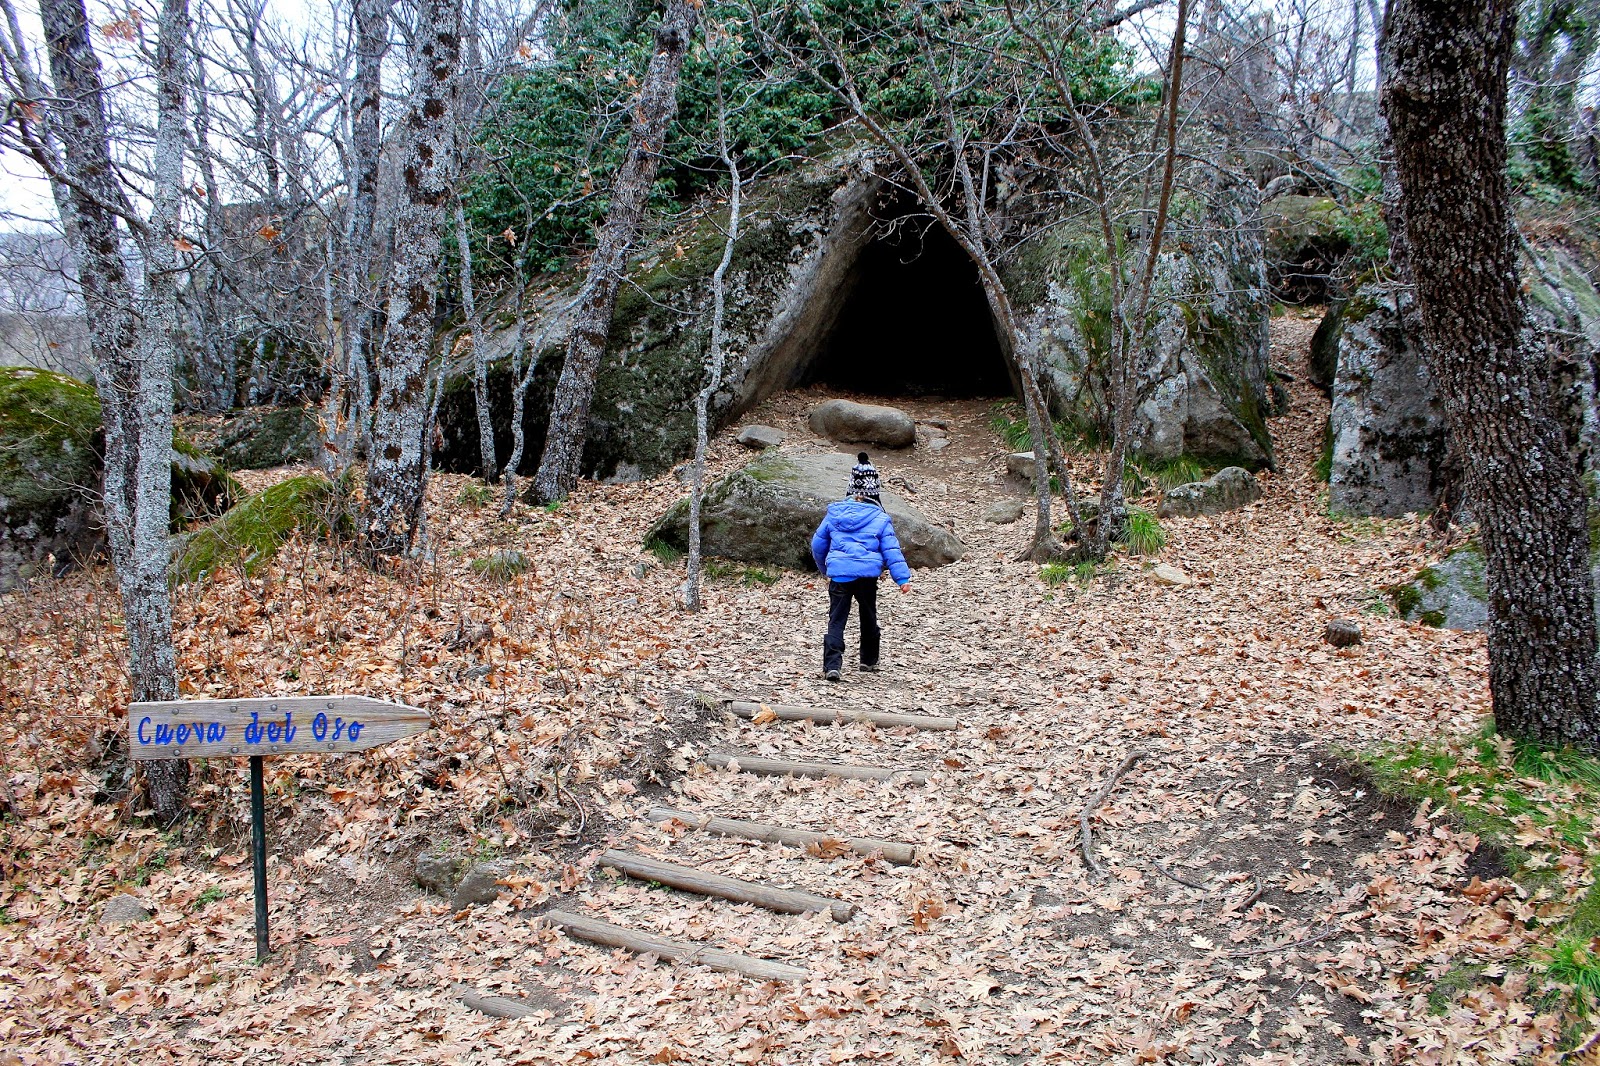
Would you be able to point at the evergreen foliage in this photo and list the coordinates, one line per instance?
(554, 132)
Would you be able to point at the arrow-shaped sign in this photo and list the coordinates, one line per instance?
(284, 725)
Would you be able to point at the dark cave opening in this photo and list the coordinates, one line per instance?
(915, 323)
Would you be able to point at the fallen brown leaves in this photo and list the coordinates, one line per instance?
(1259, 906)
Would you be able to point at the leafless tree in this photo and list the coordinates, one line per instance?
(41, 317)
(717, 355)
(657, 104)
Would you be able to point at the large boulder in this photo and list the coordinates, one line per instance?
(766, 511)
(1389, 452)
(759, 438)
(251, 532)
(863, 423)
(809, 241)
(1206, 382)
(1388, 446)
(51, 467)
(1228, 489)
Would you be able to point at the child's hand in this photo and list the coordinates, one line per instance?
(905, 588)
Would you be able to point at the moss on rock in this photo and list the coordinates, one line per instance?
(49, 471)
(252, 532)
(1454, 593)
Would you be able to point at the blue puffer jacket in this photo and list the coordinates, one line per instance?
(857, 540)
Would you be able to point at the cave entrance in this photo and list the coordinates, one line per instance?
(914, 323)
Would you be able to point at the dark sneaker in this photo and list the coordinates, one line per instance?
(831, 675)
(869, 668)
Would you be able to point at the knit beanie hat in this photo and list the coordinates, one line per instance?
(864, 479)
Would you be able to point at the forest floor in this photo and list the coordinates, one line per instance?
(1259, 905)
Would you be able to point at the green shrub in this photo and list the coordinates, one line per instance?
(1144, 535)
(475, 494)
(664, 552)
(1054, 574)
(502, 566)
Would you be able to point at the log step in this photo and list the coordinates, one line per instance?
(750, 764)
(496, 1006)
(892, 850)
(835, 715)
(689, 879)
(595, 931)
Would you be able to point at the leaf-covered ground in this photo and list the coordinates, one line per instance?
(1259, 905)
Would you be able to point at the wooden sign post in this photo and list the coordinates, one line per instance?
(284, 725)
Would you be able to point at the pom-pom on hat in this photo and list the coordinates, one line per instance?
(864, 479)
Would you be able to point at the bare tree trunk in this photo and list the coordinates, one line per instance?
(351, 426)
(396, 468)
(658, 103)
(702, 400)
(133, 361)
(1445, 98)
(1135, 327)
(480, 355)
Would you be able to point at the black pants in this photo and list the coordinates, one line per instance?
(864, 590)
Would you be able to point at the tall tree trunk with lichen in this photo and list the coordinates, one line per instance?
(1445, 99)
(132, 344)
(397, 465)
(652, 115)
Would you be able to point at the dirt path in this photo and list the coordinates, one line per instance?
(1234, 923)
(1256, 905)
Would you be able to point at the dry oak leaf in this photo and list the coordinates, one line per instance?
(827, 848)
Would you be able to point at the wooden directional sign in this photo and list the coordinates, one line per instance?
(284, 725)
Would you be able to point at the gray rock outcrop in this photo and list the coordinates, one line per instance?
(802, 256)
(1228, 489)
(1388, 447)
(1207, 383)
(765, 513)
(51, 468)
(1454, 594)
(863, 423)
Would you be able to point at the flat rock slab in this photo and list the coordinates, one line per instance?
(863, 423)
(765, 513)
(1004, 512)
(1228, 489)
(1167, 574)
(760, 438)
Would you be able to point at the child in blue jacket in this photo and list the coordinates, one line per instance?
(852, 546)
